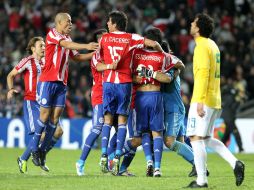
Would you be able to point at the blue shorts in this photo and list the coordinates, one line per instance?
(174, 123)
(117, 98)
(131, 125)
(51, 94)
(98, 119)
(31, 111)
(149, 108)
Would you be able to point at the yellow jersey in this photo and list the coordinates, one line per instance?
(206, 70)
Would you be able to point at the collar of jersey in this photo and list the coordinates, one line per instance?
(118, 32)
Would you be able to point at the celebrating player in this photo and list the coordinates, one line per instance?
(30, 66)
(118, 45)
(52, 86)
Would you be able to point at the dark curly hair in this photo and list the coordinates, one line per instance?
(154, 34)
(205, 24)
(120, 19)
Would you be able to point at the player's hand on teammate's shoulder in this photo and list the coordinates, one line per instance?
(11, 93)
(93, 46)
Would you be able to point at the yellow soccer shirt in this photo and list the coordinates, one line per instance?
(206, 70)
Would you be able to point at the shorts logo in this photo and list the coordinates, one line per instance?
(101, 120)
(44, 101)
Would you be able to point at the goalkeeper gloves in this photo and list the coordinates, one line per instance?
(145, 72)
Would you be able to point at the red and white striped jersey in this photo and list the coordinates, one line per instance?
(153, 60)
(31, 68)
(56, 58)
(96, 95)
(117, 45)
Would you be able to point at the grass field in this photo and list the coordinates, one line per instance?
(63, 174)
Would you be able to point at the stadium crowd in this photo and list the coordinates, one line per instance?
(234, 34)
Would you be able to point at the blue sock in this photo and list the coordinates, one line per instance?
(112, 145)
(157, 148)
(96, 131)
(27, 153)
(184, 150)
(127, 159)
(128, 148)
(105, 138)
(39, 128)
(121, 135)
(51, 144)
(50, 130)
(146, 144)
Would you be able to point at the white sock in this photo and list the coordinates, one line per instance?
(200, 157)
(222, 150)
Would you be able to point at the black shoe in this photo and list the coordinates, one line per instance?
(45, 168)
(36, 158)
(43, 157)
(149, 170)
(194, 184)
(239, 172)
(193, 172)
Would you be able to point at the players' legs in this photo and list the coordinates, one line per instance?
(105, 135)
(175, 128)
(197, 128)
(95, 132)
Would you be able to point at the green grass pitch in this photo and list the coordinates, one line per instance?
(62, 175)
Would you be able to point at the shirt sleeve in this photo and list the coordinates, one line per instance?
(54, 38)
(22, 65)
(137, 41)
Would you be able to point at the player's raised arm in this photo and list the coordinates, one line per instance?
(77, 46)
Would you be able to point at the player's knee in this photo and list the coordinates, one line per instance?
(136, 142)
(58, 133)
(169, 141)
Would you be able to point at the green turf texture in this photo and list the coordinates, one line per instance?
(62, 175)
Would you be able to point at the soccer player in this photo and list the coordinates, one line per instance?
(30, 66)
(96, 98)
(118, 45)
(53, 80)
(149, 102)
(174, 112)
(206, 103)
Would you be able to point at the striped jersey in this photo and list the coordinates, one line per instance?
(31, 69)
(119, 45)
(152, 60)
(96, 95)
(56, 58)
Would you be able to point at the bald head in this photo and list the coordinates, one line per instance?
(61, 16)
(63, 23)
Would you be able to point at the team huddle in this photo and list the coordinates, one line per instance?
(136, 88)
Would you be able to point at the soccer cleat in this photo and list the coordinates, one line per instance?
(239, 172)
(194, 184)
(80, 167)
(149, 169)
(43, 157)
(115, 168)
(157, 173)
(110, 165)
(193, 172)
(36, 158)
(22, 165)
(126, 173)
(45, 168)
(104, 163)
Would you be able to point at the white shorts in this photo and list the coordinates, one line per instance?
(201, 126)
